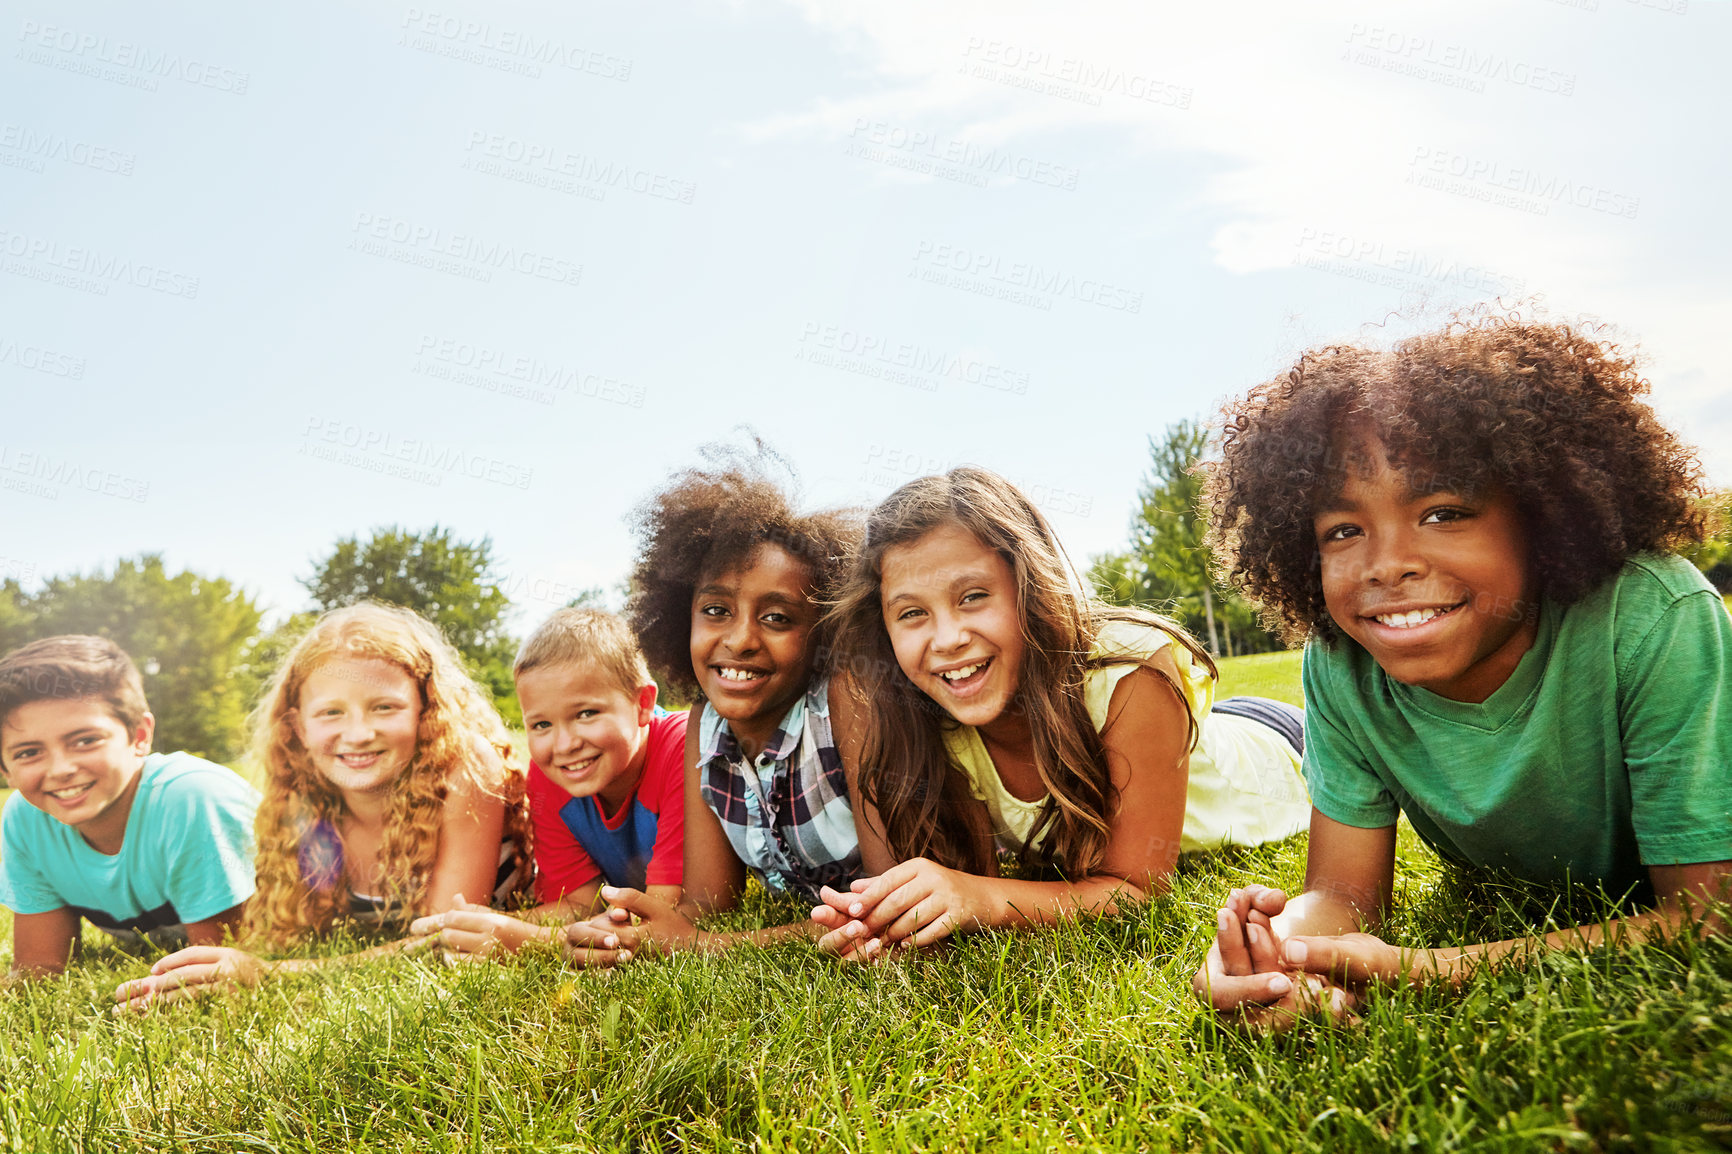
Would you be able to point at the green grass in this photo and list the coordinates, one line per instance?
(1085, 1037)
(1260, 675)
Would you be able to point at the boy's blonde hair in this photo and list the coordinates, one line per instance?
(592, 637)
(301, 809)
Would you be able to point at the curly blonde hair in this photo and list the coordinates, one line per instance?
(301, 886)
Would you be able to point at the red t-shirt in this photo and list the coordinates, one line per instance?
(643, 844)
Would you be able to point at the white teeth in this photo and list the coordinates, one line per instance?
(728, 673)
(959, 674)
(1409, 619)
(69, 794)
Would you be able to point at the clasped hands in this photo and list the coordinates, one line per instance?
(634, 923)
(1263, 981)
(917, 903)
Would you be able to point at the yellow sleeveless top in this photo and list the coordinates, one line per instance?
(1245, 785)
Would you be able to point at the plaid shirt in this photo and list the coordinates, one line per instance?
(786, 813)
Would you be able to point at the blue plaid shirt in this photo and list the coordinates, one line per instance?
(785, 812)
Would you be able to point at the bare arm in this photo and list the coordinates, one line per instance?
(1685, 893)
(876, 857)
(469, 834)
(1349, 880)
(43, 943)
(216, 929)
(713, 876)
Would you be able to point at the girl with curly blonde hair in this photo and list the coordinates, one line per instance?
(389, 793)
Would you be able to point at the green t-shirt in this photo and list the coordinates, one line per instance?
(1609, 749)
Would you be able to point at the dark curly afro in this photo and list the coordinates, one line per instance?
(710, 519)
(1548, 413)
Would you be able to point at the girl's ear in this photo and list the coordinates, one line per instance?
(646, 703)
(292, 719)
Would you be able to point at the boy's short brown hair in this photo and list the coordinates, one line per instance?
(69, 668)
(592, 637)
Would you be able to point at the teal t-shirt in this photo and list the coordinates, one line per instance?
(187, 854)
(1608, 750)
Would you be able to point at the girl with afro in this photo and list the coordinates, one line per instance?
(728, 591)
(1471, 533)
(389, 793)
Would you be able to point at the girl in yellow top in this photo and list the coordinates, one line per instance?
(994, 708)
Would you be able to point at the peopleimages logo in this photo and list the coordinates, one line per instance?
(463, 254)
(343, 442)
(88, 52)
(39, 359)
(901, 362)
(38, 147)
(518, 374)
(24, 463)
(1019, 282)
(511, 49)
(46, 257)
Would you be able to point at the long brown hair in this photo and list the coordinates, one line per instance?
(905, 773)
(302, 809)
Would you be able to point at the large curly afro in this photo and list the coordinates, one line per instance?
(709, 519)
(1548, 413)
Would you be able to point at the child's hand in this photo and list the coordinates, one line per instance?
(1311, 997)
(1244, 966)
(189, 973)
(1356, 960)
(602, 946)
(633, 923)
(469, 932)
(847, 937)
(918, 902)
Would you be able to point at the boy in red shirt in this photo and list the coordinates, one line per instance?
(606, 787)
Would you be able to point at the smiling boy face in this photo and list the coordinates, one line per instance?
(588, 735)
(1434, 584)
(76, 762)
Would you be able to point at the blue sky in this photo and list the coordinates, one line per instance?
(269, 277)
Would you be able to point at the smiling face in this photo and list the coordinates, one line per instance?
(586, 733)
(76, 762)
(359, 719)
(950, 608)
(1435, 586)
(750, 625)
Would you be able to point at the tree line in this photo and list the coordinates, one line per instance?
(199, 641)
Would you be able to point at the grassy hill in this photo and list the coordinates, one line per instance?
(1083, 1037)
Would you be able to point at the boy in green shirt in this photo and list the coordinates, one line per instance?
(1470, 531)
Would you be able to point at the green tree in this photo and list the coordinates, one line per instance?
(1714, 555)
(1167, 564)
(188, 635)
(15, 616)
(443, 579)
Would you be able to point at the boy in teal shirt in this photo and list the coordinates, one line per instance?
(1470, 531)
(142, 844)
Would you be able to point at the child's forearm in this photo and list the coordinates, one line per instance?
(1320, 913)
(1453, 964)
(1025, 903)
(710, 941)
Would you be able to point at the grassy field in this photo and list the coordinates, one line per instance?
(1083, 1037)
